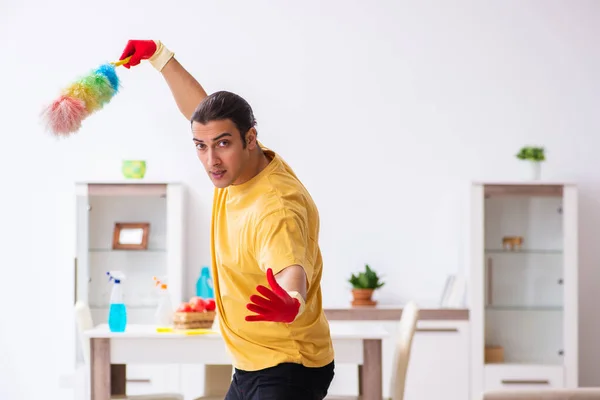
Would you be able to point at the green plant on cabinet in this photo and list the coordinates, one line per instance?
(531, 153)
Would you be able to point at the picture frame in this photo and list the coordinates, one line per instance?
(131, 236)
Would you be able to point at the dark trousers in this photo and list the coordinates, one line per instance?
(285, 381)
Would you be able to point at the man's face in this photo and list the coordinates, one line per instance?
(221, 151)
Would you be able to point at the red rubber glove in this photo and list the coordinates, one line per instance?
(276, 306)
(138, 50)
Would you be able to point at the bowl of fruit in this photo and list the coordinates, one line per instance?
(198, 313)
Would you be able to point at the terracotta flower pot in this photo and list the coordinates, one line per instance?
(363, 297)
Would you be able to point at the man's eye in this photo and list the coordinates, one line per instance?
(199, 146)
(223, 143)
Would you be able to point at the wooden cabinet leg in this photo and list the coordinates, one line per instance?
(101, 371)
(372, 370)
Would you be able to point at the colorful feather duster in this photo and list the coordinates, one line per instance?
(82, 98)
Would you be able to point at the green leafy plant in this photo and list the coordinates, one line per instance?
(531, 154)
(366, 280)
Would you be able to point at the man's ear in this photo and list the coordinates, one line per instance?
(251, 138)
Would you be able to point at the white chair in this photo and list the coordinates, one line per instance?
(404, 338)
(83, 318)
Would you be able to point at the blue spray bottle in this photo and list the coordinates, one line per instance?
(117, 313)
(204, 285)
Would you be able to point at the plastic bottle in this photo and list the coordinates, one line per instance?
(164, 312)
(117, 313)
(204, 284)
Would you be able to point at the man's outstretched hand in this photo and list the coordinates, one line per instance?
(276, 306)
(138, 50)
(152, 50)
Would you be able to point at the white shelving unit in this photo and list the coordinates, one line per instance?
(102, 204)
(99, 205)
(523, 296)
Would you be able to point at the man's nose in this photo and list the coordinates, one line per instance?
(213, 159)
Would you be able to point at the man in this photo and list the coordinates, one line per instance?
(264, 241)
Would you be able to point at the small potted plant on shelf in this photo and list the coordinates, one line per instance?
(535, 156)
(363, 285)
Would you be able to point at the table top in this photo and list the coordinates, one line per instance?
(343, 330)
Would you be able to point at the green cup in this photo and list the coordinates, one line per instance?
(134, 169)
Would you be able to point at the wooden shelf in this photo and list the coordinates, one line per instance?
(522, 308)
(524, 251)
(127, 189)
(129, 251)
(524, 189)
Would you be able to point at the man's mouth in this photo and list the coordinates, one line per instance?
(218, 174)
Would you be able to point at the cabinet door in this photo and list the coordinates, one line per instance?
(524, 275)
(439, 362)
(523, 377)
(147, 379)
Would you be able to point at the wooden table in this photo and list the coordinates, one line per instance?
(142, 344)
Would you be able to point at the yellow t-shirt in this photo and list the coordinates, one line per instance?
(269, 221)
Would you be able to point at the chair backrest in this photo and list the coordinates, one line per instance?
(84, 321)
(404, 339)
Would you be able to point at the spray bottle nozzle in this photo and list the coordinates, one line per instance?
(159, 283)
(116, 276)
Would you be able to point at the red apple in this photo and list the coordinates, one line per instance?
(210, 305)
(198, 304)
(184, 307)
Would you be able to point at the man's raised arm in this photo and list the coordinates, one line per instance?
(186, 90)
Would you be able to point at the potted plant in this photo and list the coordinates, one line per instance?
(535, 156)
(363, 285)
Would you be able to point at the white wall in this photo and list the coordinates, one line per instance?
(386, 112)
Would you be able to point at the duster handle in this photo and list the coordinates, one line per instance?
(121, 62)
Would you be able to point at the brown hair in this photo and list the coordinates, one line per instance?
(226, 105)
